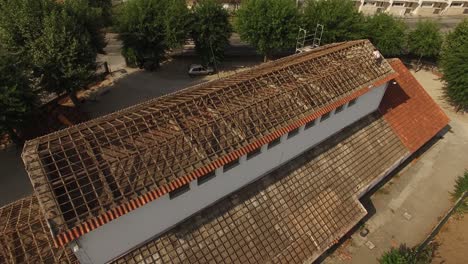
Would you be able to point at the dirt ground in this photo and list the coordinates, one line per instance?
(452, 241)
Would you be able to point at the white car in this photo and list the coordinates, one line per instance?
(198, 70)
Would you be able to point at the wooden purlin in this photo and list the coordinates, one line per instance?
(25, 236)
(152, 144)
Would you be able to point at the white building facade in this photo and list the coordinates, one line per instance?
(128, 231)
(423, 8)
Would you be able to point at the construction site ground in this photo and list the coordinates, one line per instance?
(452, 241)
(406, 207)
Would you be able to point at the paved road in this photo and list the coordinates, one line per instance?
(14, 182)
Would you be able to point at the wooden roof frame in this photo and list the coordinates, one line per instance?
(89, 174)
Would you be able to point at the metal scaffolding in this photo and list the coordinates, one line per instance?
(84, 171)
(306, 42)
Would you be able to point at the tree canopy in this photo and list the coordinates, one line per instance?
(425, 39)
(63, 56)
(268, 25)
(89, 15)
(105, 7)
(387, 33)
(211, 31)
(340, 18)
(57, 41)
(454, 64)
(17, 100)
(148, 28)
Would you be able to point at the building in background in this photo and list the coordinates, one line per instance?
(423, 8)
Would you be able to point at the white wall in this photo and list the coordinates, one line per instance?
(128, 231)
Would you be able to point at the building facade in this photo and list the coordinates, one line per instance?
(424, 8)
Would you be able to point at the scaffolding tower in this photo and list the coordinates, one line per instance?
(307, 42)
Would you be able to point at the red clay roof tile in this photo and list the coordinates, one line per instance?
(409, 109)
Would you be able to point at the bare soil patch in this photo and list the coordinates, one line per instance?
(452, 241)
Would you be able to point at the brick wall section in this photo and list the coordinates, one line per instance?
(409, 109)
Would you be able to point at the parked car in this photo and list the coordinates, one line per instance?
(199, 70)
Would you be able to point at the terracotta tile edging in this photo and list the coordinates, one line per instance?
(72, 234)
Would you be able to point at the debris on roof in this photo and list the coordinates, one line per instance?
(410, 110)
(291, 215)
(89, 174)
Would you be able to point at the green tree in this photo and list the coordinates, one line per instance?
(146, 30)
(105, 7)
(63, 57)
(89, 17)
(211, 31)
(20, 23)
(340, 18)
(454, 64)
(425, 39)
(177, 23)
(386, 33)
(58, 41)
(17, 100)
(268, 25)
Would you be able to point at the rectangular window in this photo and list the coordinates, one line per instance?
(253, 153)
(352, 102)
(206, 178)
(325, 117)
(456, 4)
(293, 132)
(274, 143)
(339, 109)
(179, 191)
(398, 4)
(310, 124)
(231, 165)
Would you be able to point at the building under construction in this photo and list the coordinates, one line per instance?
(266, 165)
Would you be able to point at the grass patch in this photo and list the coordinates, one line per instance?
(406, 255)
(461, 186)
